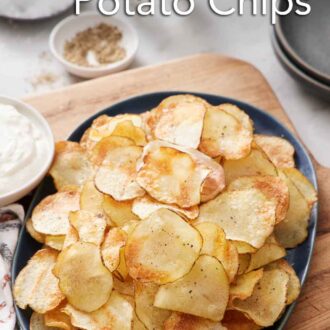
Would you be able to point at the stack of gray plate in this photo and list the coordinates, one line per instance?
(302, 45)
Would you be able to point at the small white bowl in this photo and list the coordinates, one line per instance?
(70, 26)
(35, 116)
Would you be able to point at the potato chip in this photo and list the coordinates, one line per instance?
(243, 263)
(294, 286)
(106, 146)
(266, 254)
(57, 318)
(122, 271)
(267, 301)
(37, 322)
(244, 285)
(203, 292)
(124, 287)
(272, 187)
(117, 175)
(34, 234)
(255, 164)
(152, 317)
(91, 199)
(239, 114)
(118, 212)
(144, 206)
(129, 226)
(36, 286)
(137, 324)
(71, 237)
(179, 120)
(127, 129)
(215, 245)
(85, 281)
(104, 126)
(293, 229)
(51, 215)
(114, 240)
(243, 247)
(71, 167)
(180, 321)
(224, 135)
(279, 150)
(115, 314)
(55, 242)
(235, 320)
(303, 185)
(162, 248)
(89, 226)
(245, 215)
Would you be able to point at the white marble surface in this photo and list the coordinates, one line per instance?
(27, 67)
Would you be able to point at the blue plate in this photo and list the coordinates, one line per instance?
(299, 257)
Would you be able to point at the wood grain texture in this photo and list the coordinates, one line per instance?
(209, 73)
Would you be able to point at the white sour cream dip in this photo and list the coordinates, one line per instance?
(23, 149)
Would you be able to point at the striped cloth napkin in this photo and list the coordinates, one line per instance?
(11, 218)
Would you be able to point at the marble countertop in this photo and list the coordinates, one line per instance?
(27, 67)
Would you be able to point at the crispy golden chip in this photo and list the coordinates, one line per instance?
(238, 114)
(90, 198)
(86, 283)
(203, 292)
(270, 291)
(266, 254)
(293, 229)
(215, 245)
(89, 226)
(104, 126)
(71, 167)
(243, 247)
(144, 206)
(244, 285)
(279, 150)
(246, 215)
(303, 185)
(71, 237)
(243, 263)
(36, 286)
(118, 212)
(235, 320)
(224, 135)
(177, 175)
(152, 317)
(37, 322)
(127, 129)
(179, 120)
(272, 187)
(124, 287)
(114, 240)
(180, 321)
(34, 234)
(255, 164)
(122, 271)
(137, 324)
(55, 242)
(294, 286)
(117, 175)
(51, 216)
(106, 146)
(57, 318)
(115, 314)
(162, 248)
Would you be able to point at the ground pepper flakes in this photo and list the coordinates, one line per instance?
(99, 45)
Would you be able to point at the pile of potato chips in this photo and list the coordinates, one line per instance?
(177, 218)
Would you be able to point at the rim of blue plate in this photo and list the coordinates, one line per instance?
(152, 99)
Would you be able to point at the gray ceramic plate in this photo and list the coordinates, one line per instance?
(311, 83)
(306, 39)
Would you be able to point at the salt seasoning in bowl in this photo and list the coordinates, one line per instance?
(91, 45)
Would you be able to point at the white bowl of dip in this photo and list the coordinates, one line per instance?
(26, 149)
(68, 28)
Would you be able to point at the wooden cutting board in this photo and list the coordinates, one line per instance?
(214, 74)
